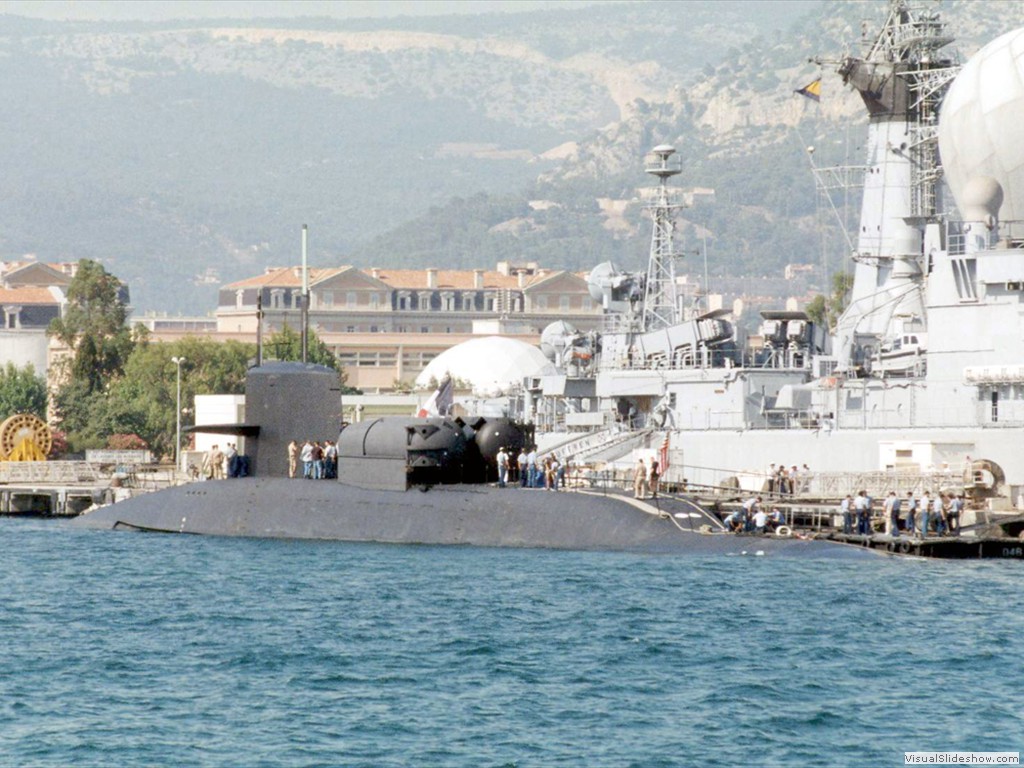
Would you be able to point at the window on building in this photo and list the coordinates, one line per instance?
(563, 303)
(467, 302)
(541, 302)
(239, 299)
(350, 329)
(277, 299)
(327, 299)
(350, 300)
(374, 301)
(424, 329)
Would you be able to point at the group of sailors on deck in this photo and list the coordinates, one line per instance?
(319, 460)
(787, 481)
(910, 516)
(752, 517)
(530, 470)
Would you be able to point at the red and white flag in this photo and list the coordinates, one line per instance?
(440, 402)
(663, 455)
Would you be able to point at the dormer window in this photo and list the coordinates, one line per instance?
(12, 317)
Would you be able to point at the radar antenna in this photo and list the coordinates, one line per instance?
(660, 301)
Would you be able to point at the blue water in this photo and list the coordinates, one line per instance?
(139, 649)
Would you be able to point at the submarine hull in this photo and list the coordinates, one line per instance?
(479, 515)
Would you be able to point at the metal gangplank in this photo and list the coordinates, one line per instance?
(606, 441)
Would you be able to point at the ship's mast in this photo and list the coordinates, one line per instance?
(660, 300)
(901, 78)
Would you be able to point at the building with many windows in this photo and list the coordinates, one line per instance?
(386, 325)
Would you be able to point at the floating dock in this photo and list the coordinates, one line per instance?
(942, 547)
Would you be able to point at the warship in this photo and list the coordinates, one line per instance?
(920, 374)
(417, 480)
(920, 384)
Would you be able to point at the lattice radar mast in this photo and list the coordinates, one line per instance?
(660, 300)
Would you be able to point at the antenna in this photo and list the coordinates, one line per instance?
(305, 298)
(660, 306)
(259, 328)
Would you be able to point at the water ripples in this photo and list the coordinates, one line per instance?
(136, 649)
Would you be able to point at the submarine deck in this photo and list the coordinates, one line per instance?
(478, 515)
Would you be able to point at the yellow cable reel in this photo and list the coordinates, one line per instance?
(24, 437)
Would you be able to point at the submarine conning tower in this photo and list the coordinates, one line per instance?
(290, 401)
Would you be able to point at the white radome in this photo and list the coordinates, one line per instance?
(979, 126)
(493, 364)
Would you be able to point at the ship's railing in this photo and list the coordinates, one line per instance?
(1011, 233)
(702, 360)
(546, 421)
(1006, 418)
(825, 485)
(956, 238)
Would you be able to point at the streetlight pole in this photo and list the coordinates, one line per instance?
(177, 414)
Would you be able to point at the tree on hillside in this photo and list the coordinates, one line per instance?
(21, 391)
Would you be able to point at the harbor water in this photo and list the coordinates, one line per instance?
(139, 649)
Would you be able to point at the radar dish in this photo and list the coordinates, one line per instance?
(556, 337)
(979, 125)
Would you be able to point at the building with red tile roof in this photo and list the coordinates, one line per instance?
(387, 324)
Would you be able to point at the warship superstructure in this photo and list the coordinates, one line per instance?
(924, 370)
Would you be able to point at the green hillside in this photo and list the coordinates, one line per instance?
(183, 155)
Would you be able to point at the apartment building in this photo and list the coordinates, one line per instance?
(386, 325)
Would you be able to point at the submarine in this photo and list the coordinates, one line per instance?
(416, 480)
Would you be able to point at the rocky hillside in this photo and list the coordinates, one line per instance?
(188, 154)
(744, 136)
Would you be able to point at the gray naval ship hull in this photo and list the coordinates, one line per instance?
(404, 481)
(479, 515)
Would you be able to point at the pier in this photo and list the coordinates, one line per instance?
(68, 488)
(942, 547)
